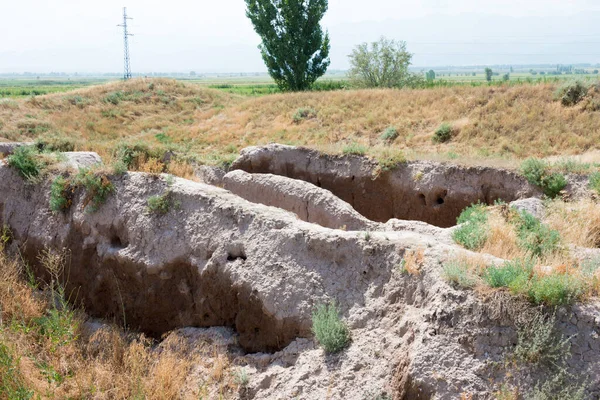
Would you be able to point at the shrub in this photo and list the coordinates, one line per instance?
(512, 274)
(539, 343)
(304, 113)
(458, 273)
(161, 204)
(98, 187)
(534, 237)
(390, 134)
(556, 289)
(595, 182)
(355, 148)
(24, 160)
(537, 173)
(571, 93)
(329, 329)
(55, 143)
(443, 133)
(472, 232)
(61, 194)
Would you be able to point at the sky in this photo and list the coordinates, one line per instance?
(215, 36)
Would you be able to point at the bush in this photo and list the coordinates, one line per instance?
(61, 194)
(355, 148)
(537, 173)
(595, 182)
(458, 273)
(539, 343)
(556, 289)
(55, 143)
(161, 204)
(472, 232)
(512, 274)
(571, 93)
(443, 133)
(24, 160)
(98, 187)
(304, 113)
(534, 237)
(390, 134)
(329, 329)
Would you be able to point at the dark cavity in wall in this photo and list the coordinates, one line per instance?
(424, 191)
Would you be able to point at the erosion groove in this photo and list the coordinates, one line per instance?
(424, 191)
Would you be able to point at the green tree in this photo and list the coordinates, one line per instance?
(381, 64)
(488, 74)
(294, 47)
(430, 75)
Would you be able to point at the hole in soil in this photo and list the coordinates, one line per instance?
(117, 243)
(391, 194)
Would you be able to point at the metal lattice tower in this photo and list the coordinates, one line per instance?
(126, 34)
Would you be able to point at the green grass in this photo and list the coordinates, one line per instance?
(443, 134)
(162, 204)
(329, 329)
(61, 194)
(535, 237)
(457, 273)
(12, 384)
(595, 182)
(537, 172)
(512, 274)
(355, 149)
(304, 113)
(472, 232)
(390, 134)
(97, 186)
(24, 159)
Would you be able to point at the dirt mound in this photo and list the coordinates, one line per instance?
(425, 191)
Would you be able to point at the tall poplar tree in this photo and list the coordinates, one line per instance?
(294, 47)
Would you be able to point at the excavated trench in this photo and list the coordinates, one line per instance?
(431, 192)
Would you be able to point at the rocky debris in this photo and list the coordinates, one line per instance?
(8, 148)
(421, 190)
(219, 260)
(79, 159)
(309, 202)
(533, 206)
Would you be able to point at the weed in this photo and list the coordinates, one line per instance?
(61, 194)
(355, 148)
(241, 377)
(329, 329)
(24, 160)
(595, 182)
(390, 134)
(161, 204)
(571, 93)
(536, 172)
(443, 134)
(388, 160)
(304, 113)
(12, 384)
(472, 232)
(457, 273)
(562, 386)
(512, 274)
(556, 289)
(539, 342)
(97, 186)
(535, 237)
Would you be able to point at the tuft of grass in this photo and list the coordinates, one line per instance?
(162, 204)
(557, 289)
(458, 273)
(512, 274)
(355, 148)
(97, 186)
(304, 113)
(390, 134)
(329, 329)
(443, 134)
(61, 194)
(24, 160)
(537, 173)
(389, 159)
(472, 232)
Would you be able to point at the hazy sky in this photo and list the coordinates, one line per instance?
(202, 35)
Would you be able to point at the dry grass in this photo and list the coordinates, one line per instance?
(413, 261)
(578, 222)
(51, 354)
(502, 123)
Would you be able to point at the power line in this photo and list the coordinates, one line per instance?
(126, 34)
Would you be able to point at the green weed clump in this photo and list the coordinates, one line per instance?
(512, 274)
(595, 182)
(355, 149)
(537, 173)
(443, 133)
(162, 204)
(535, 237)
(390, 134)
(473, 230)
(24, 159)
(304, 113)
(458, 273)
(329, 329)
(61, 194)
(572, 92)
(97, 186)
(540, 343)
